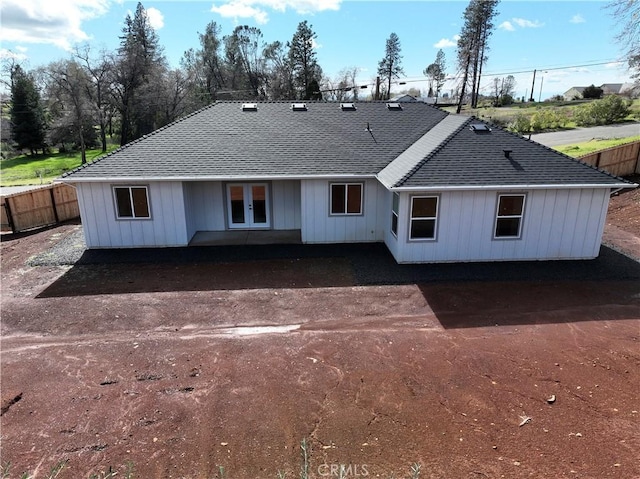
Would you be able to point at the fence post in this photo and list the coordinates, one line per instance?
(7, 208)
(53, 204)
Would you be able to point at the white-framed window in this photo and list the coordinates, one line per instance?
(424, 217)
(509, 214)
(131, 202)
(346, 198)
(395, 206)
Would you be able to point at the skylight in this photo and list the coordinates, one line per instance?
(347, 106)
(480, 127)
(299, 106)
(249, 107)
(394, 106)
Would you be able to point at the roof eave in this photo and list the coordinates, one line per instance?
(523, 186)
(129, 179)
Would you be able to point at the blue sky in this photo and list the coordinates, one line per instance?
(569, 43)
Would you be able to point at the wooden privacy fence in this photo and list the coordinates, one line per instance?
(620, 160)
(41, 207)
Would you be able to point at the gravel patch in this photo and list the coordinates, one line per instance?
(67, 251)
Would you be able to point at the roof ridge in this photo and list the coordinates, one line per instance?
(137, 140)
(422, 162)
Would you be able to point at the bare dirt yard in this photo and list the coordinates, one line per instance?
(194, 364)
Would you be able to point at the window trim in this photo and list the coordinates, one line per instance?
(435, 218)
(395, 213)
(133, 212)
(346, 198)
(520, 217)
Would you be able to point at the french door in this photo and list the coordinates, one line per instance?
(248, 205)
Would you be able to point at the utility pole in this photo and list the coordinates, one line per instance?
(533, 85)
(377, 88)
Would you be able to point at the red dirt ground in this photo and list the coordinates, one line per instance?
(376, 378)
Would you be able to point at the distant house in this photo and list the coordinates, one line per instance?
(626, 89)
(574, 92)
(433, 186)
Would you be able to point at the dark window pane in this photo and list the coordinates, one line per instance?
(507, 227)
(424, 207)
(338, 199)
(123, 201)
(510, 205)
(236, 194)
(259, 196)
(423, 229)
(354, 199)
(140, 203)
(394, 223)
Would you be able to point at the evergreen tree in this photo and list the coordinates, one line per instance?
(390, 65)
(139, 68)
(27, 114)
(302, 58)
(473, 45)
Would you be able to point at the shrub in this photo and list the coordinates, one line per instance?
(592, 92)
(521, 124)
(610, 109)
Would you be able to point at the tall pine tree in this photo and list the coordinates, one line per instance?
(473, 45)
(139, 69)
(27, 114)
(302, 57)
(390, 65)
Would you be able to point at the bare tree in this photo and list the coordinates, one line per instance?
(98, 89)
(627, 14)
(278, 72)
(68, 85)
(436, 74)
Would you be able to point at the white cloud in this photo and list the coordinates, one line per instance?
(506, 25)
(447, 43)
(577, 18)
(614, 65)
(156, 18)
(523, 23)
(256, 9)
(43, 21)
(241, 10)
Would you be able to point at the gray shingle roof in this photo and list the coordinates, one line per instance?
(417, 146)
(469, 158)
(224, 141)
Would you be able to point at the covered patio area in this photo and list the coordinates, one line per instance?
(246, 237)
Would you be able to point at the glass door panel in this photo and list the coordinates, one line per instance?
(248, 205)
(259, 204)
(236, 200)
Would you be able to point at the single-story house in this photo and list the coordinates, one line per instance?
(433, 186)
(626, 89)
(574, 92)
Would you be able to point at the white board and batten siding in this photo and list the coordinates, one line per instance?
(319, 226)
(206, 205)
(557, 224)
(166, 227)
